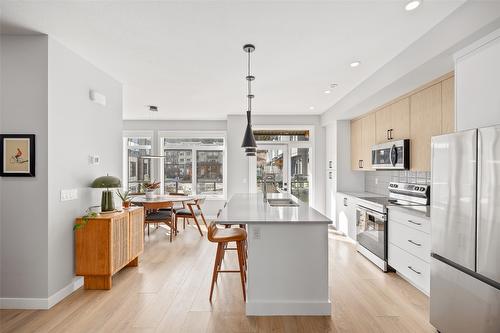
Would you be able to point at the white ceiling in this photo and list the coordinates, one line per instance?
(187, 57)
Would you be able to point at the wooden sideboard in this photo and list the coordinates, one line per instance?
(106, 244)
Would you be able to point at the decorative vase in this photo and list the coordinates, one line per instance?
(125, 204)
(150, 194)
(107, 202)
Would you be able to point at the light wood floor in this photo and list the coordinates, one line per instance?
(169, 293)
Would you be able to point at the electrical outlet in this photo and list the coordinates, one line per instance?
(67, 195)
(256, 233)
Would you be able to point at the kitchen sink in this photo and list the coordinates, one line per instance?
(282, 203)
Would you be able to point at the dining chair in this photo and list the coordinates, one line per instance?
(154, 215)
(191, 212)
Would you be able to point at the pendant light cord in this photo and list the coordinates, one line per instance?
(249, 84)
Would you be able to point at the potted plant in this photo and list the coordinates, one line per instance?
(125, 198)
(150, 188)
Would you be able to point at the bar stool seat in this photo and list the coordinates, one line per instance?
(222, 237)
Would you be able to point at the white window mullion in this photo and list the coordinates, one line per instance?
(194, 170)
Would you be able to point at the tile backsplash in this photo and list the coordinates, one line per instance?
(378, 181)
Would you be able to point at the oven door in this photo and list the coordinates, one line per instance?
(371, 232)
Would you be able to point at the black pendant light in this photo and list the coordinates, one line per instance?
(249, 140)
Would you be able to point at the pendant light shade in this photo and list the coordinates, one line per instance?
(249, 139)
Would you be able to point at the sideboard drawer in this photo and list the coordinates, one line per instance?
(413, 241)
(410, 267)
(412, 221)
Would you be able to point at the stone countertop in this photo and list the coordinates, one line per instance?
(249, 208)
(361, 194)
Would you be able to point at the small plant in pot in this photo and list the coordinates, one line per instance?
(150, 188)
(125, 198)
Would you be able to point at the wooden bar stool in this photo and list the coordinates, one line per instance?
(222, 237)
(192, 211)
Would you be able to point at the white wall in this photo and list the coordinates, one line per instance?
(24, 208)
(77, 128)
(45, 89)
(477, 82)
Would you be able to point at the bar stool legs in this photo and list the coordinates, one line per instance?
(221, 247)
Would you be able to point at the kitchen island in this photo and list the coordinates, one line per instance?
(287, 270)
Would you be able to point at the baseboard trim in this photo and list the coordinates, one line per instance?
(288, 308)
(41, 303)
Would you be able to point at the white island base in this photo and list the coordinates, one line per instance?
(287, 269)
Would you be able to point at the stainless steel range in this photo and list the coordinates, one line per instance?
(371, 218)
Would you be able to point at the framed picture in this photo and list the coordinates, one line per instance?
(17, 155)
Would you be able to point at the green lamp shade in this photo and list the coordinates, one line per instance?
(107, 202)
(106, 182)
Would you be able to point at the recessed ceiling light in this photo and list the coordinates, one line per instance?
(311, 108)
(334, 85)
(355, 63)
(327, 91)
(412, 5)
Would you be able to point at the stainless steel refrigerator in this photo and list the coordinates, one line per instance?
(465, 219)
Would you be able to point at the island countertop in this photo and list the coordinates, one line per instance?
(247, 208)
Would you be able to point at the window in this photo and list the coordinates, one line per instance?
(209, 170)
(178, 171)
(139, 165)
(194, 165)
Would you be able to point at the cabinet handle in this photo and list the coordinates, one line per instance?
(361, 163)
(414, 243)
(387, 135)
(416, 223)
(414, 270)
(345, 202)
(390, 134)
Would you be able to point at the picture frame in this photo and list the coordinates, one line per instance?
(17, 155)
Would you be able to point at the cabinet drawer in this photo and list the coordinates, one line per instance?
(412, 221)
(412, 268)
(414, 241)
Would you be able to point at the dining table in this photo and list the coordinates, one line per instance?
(140, 199)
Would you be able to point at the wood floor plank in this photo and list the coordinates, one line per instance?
(169, 290)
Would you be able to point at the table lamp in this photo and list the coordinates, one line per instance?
(107, 182)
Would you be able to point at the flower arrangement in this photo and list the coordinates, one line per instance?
(151, 186)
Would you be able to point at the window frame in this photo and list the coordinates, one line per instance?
(195, 134)
(125, 166)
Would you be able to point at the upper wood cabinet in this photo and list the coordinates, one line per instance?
(417, 116)
(448, 106)
(356, 149)
(362, 140)
(393, 121)
(425, 122)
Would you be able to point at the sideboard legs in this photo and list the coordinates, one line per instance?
(97, 282)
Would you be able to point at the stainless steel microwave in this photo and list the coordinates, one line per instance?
(393, 155)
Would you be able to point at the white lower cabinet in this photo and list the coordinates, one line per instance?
(414, 269)
(346, 215)
(409, 250)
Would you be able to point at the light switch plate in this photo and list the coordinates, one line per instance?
(67, 195)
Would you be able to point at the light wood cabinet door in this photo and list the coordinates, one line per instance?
(425, 122)
(136, 227)
(448, 106)
(119, 242)
(383, 122)
(356, 144)
(393, 121)
(368, 139)
(400, 119)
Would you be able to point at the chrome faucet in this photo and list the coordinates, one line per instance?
(268, 178)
